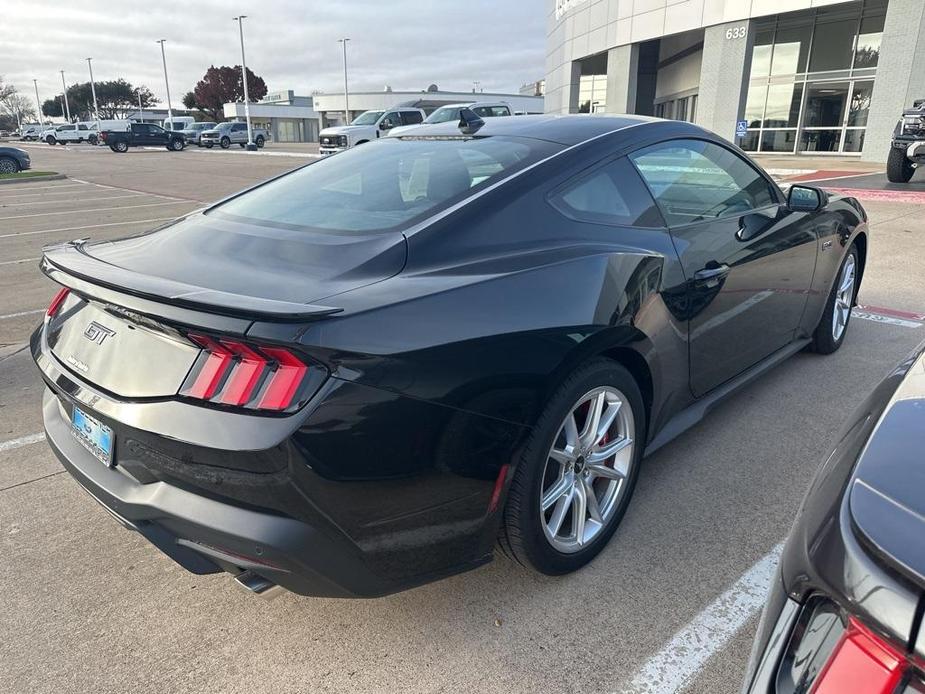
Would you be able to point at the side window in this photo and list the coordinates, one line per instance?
(81, 127)
(611, 194)
(500, 111)
(482, 111)
(694, 180)
(411, 117)
(390, 120)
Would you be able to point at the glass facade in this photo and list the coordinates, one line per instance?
(592, 84)
(811, 80)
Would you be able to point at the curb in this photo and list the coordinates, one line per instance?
(31, 179)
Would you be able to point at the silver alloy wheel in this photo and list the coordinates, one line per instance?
(844, 297)
(586, 469)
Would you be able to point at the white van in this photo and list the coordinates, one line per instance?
(178, 122)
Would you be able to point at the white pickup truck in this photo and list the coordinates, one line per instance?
(72, 132)
(450, 112)
(369, 125)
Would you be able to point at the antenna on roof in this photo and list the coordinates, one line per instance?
(469, 122)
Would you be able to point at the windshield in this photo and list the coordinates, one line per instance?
(201, 126)
(368, 118)
(386, 184)
(444, 114)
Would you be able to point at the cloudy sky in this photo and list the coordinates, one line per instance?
(292, 44)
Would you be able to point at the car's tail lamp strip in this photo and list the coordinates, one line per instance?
(861, 663)
(257, 377)
(56, 302)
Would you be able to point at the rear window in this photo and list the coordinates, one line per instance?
(388, 184)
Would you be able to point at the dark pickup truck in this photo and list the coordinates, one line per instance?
(142, 135)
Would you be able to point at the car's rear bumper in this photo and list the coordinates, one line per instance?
(205, 535)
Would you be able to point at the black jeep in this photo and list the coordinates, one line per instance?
(907, 150)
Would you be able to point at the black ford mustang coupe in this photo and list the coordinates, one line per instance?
(364, 374)
(845, 613)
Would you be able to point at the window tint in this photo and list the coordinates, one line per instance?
(238, 127)
(499, 111)
(81, 127)
(390, 120)
(411, 117)
(693, 180)
(383, 185)
(612, 194)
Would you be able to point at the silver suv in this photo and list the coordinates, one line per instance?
(226, 134)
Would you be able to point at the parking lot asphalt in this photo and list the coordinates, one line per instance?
(88, 606)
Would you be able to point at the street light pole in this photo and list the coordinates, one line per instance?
(38, 104)
(166, 82)
(96, 109)
(67, 106)
(251, 147)
(343, 41)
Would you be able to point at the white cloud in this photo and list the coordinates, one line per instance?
(292, 45)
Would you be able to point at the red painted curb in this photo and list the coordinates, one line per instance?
(909, 197)
(892, 312)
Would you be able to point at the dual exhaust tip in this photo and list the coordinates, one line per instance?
(258, 585)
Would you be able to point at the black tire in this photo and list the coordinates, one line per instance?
(208, 145)
(121, 147)
(824, 340)
(225, 142)
(522, 536)
(260, 142)
(93, 140)
(8, 165)
(898, 167)
(50, 140)
(176, 145)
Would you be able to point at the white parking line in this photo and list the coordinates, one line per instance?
(88, 226)
(20, 442)
(63, 185)
(879, 318)
(143, 192)
(22, 313)
(3, 203)
(16, 262)
(683, 657)
(98, 209)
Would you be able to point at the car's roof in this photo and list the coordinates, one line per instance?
(563, 129)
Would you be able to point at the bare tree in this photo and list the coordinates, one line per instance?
(15, 105)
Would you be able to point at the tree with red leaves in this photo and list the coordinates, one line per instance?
(222, 85)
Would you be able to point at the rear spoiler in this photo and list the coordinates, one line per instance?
(69, 265)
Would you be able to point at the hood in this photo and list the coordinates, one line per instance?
(345, 129)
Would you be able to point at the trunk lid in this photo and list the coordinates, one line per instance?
(120, 328)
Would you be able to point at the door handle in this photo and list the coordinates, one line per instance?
(711, 274)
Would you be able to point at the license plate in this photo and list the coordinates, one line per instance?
(95, 436)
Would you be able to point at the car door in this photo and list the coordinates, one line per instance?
(387, 122)
(748, 260)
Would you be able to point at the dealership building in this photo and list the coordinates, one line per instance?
(805, 76)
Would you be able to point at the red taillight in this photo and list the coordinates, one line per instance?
(861, 663)
(210, 372)
(56, 302)
(284, 382)
(249, 367)
(230, 372)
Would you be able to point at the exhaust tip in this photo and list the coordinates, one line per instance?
(258, 585)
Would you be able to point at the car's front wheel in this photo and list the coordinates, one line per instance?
(225, 142)
(260, 142)
(830, 333)
(578, 470)
(176, 145)
(50, 140)
(121, 147)
(8, 165)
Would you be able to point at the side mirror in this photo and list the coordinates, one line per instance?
(386, 124)
(806, 198)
